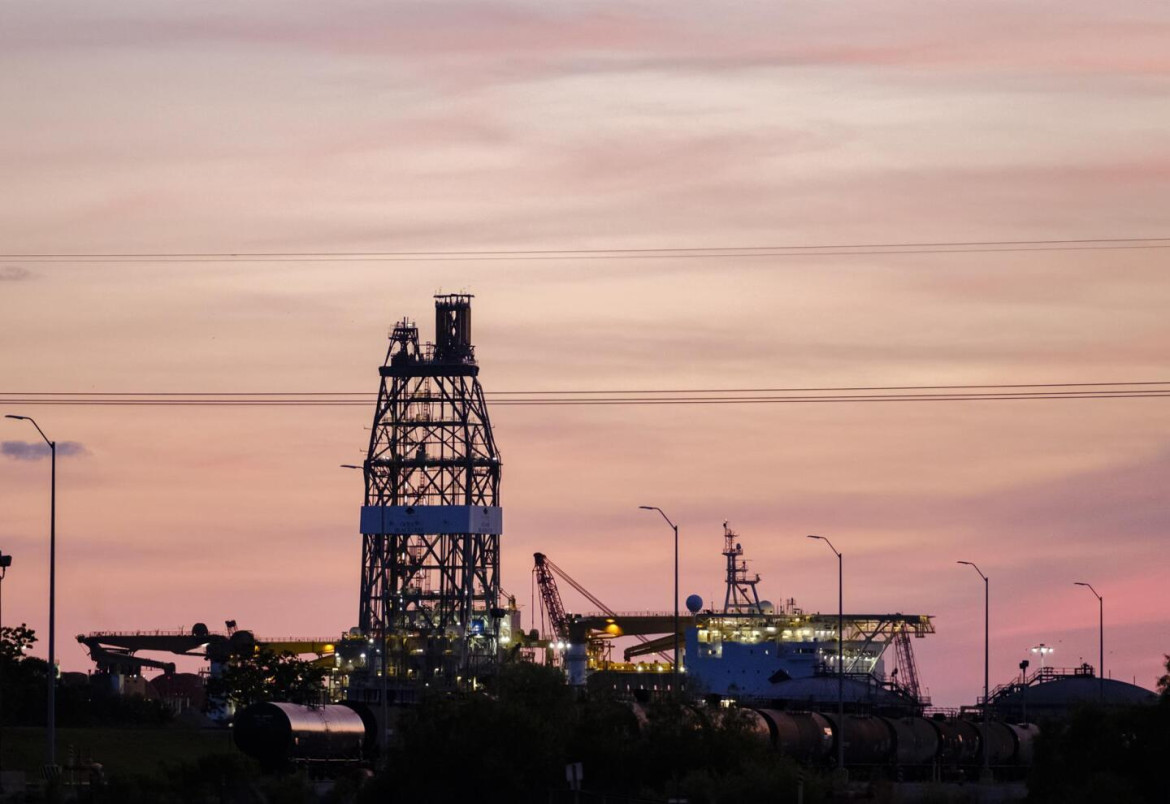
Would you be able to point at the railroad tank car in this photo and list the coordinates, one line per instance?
(804, 736)
(916, 741)
(760, 726)
(1025, 735)
(869, 740)
(959, 742)
(998, 740)
(902, 741)
(281, 734)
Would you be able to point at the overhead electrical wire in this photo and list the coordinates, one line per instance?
(633, 397)
(795, 389)
(679, 252)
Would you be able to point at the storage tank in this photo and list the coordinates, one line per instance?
(916, 741)
(279, 734)
(804, 736)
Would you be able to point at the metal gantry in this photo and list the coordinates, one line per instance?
(431, 521)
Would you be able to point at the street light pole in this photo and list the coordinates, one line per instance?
(382, 686)
(986, 655)
(674, 689)
(674, 527)
(51, 723)
(840, 652)
(1101, 639)
(5, 563)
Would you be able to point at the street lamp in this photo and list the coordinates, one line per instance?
(840, 651)
(674, 668)
(986, 654)
(1043, 650)
(1024, 691)
(5, 563)
(51, 731)
(1101, 642)
(382, 692)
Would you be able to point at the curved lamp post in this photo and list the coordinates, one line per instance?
(840, 651)
(1101, 638)
(674, 527)
(986, 654)
(383, 694)
(51, 731)
(5, 563)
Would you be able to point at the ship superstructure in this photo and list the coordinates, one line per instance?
(752, 649)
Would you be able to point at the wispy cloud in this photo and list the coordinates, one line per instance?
(14, 273)
(35, 451)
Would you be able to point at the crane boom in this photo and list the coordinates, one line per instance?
(545, 571)
(581, 589)
(551, 596)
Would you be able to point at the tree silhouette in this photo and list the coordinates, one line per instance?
(267, 676)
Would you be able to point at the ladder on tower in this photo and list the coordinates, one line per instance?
(907, 668)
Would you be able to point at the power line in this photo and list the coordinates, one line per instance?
(796, 389)
(967, 396)
(680, 252)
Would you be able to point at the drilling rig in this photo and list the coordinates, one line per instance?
(431, 522)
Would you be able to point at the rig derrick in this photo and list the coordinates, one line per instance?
(431, 521)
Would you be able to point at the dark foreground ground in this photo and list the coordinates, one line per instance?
(121, 751)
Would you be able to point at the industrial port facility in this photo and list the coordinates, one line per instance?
(822, 688)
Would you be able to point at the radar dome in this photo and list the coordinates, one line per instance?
(694, 604)
(766, 607)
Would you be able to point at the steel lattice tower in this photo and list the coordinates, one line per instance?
(431, 521)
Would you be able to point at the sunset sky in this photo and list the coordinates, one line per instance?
(162, 128)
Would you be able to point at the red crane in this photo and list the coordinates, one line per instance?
(550, 596)
(546, 574)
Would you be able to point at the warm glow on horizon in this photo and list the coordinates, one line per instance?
(134, 128)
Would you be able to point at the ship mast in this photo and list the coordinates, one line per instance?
(741, 596)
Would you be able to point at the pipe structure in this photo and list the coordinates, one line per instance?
(51, 682)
